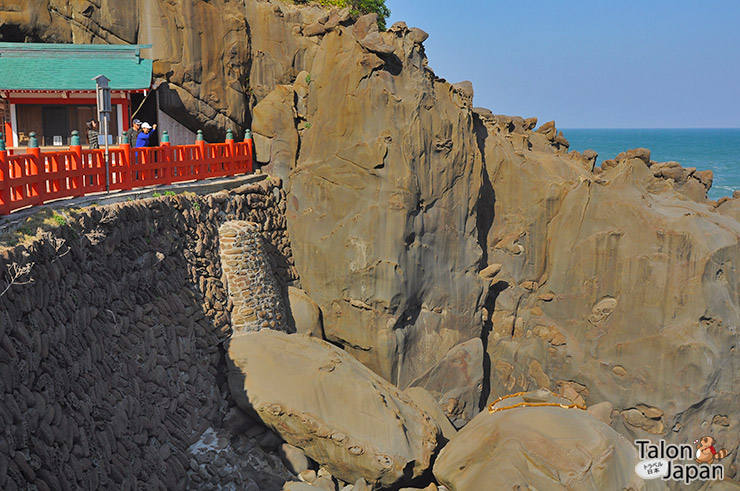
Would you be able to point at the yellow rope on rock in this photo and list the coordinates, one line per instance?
(492, 410)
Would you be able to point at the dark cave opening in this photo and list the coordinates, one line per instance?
(11, 33)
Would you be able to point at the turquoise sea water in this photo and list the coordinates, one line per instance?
(715, 149)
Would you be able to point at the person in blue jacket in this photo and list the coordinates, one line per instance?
(142, 140)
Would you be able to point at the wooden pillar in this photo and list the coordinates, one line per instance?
(203, 164)
(166, 158)
(4, 180)
(126, 114)
(231, 165)
(37, 187)
(78, 181)
(250, 150)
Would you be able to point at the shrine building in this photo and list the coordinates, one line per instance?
(49, 88)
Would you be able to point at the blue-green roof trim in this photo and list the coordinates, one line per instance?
(42, 66)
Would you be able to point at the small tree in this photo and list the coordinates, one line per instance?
(360, 7)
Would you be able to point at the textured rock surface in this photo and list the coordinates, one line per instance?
(323, 401)
(428, 403)
(207, 84)
(614, 287)
(377, 211)
(305, 313)
(110, 360)
(541, 448)
(456, 381)
(222, 459)
(254, 293)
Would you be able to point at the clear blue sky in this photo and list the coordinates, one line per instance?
(589, 64)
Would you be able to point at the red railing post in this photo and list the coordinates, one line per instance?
(232, 162)
(166, 158)
(125, 163)
(78, 179)
(37, 186)
(203, 165)
(250, 150)
(4, 180)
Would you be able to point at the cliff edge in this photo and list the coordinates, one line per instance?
(418, 222)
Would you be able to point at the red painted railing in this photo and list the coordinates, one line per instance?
(36, 177)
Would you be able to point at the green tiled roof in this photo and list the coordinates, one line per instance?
(41, 66)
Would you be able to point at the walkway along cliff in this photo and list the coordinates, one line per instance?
(438, 238)
(36, 177)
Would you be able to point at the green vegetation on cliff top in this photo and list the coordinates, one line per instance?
(359, 7)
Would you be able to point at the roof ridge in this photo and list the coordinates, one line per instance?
(66, 49)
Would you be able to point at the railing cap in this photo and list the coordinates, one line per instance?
(165, 137)
(199, 136)
(124, 138)
(2, 144)
(33, 142)
(229, 135)
(75, 141)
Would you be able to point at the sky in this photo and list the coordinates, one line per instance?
(589, 63)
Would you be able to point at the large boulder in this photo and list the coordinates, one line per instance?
(320, 399)
(539, 447)
(305, 313)
(456, 381)
(428, 403)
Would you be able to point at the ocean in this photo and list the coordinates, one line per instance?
(714, 149)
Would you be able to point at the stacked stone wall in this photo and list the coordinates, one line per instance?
(253, 290)
(111, 362)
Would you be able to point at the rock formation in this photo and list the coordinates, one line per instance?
(614, 287)
(456, 381)
(318, 398)
(379, 217)
(419, 222)
(541, 447)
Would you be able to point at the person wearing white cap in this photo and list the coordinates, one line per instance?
(142, 140)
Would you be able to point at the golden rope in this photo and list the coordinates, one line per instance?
(492, 410)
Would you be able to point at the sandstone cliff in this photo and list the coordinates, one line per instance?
(605, 284)
(610, 284)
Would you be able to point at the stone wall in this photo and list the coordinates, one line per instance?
(111, 363)
(252, 288)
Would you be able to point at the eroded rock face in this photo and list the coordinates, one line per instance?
(456, 381)
(323, 401)
(541, 447)
(216, 58)
(614, 287)
(305, 313)
(378, 217)
(610, 283)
